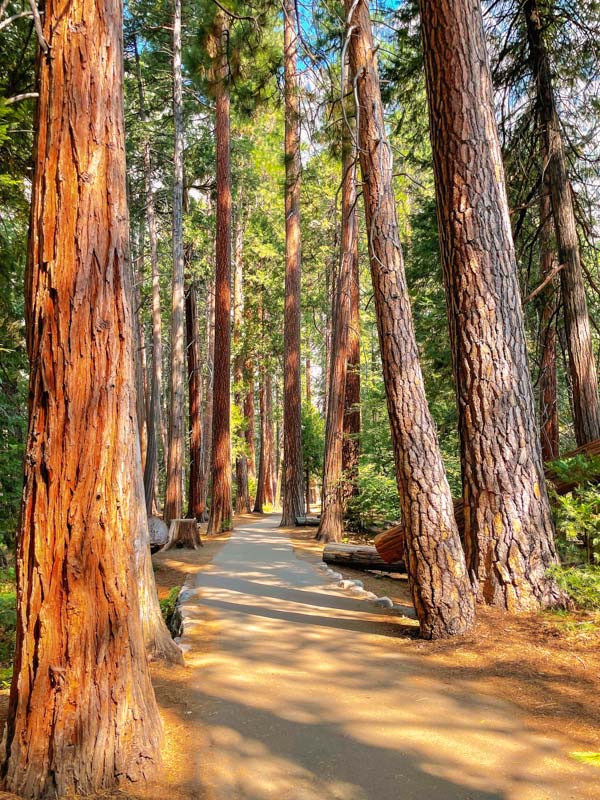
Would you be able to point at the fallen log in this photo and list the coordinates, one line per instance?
(359, 557)
(308, 522)
(390, 544)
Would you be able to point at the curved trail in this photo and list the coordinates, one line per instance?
(303, 695)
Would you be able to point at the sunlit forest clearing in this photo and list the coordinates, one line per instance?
(299, 410)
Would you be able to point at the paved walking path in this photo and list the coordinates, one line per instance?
(305, 697)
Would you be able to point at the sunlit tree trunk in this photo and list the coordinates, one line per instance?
(509, 534)
(155, 417)
(435, 561)
(249, 415)
(82, 714)
(195, 507)
(548, 381)
(175, 463)
(208, 405)
(241, 462)
(293, 495)
(331, 526)
(582, 366)
(220, 518)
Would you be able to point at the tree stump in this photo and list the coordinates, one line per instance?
(183, 533)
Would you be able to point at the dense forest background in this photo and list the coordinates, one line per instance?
(258, 240)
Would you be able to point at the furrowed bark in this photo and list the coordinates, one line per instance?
(582, 365)
(508, 525)
(221, 513)
(175, 463)
(82, 714)
(435, 561)
(241, 462)
(351, 445)
(208, 406)
(548, 381)
(331, 526)
(293, 494)
(195, 501)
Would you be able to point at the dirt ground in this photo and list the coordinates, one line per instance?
(548, 665)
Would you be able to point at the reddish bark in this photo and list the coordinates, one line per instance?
(221, 513)
(293, 495)
(331, 525)
(195, 504)
(82, 714)
(241, 461)
(175, 462)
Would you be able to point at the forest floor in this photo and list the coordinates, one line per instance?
(293, 689)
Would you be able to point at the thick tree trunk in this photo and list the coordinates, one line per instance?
(175, 463)
(260, 478)
(208, 406)
(331, 527)
(82, 714)
(435, 560)
(293, 495)
(220, 518)
(195, 501)
(582, 366)
(508, 526)
(548, 382)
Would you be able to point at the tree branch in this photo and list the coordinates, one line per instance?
(9, 20)
(37, 21)
(549, 277)
(18, 97)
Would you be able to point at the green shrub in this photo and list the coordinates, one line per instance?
(167, 605)
(577, 513)
(377, 500)
(8, 623)
(582, 584)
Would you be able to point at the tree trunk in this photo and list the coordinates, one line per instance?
(220, 517)
(208, 407)
(155, 422)
(175, 464)
(265, 488)
(435, 561)
(548, 381)
(351, 445)
(195, 504)
(82, 714)
(582, 366)
(331, 528)
(248, 375)
(242, 503)
(293, 495)
(508, 526)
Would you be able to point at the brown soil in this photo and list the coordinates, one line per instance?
(547, 664)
